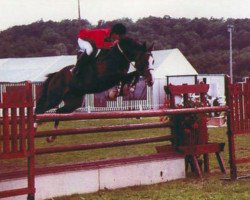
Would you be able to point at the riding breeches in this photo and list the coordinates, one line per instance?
(85, 46)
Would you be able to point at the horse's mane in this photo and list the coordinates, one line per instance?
(127, 43)
(130, 43)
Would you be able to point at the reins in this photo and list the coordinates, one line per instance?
(130, 62)
(125, 56)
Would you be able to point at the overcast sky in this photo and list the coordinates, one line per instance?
(19, 12)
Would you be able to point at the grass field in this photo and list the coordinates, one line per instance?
(211, 187)
(191, 189)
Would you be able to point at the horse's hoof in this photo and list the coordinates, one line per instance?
(50, 139)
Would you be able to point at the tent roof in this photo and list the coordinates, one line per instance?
(167, 62)
(171, 63)
(33, 69)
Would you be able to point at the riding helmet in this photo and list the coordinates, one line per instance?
(118, 29)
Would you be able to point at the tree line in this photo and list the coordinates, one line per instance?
(204, 42)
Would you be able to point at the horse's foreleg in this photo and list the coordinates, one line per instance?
(131, 79)
(120, 88)
(134, 82)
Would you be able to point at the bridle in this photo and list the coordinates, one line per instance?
(125, 56)
(131, 63)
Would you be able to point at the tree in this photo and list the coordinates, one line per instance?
(205, 42)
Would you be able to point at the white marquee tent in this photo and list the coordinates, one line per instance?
(166, 63)
(169, 63)
(32, 69)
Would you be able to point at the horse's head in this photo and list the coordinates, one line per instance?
(144, 63)
(141, 55)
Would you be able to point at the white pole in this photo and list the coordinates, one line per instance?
(79, 11)
(230, 30)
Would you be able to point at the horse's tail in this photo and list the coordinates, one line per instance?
(42, 100)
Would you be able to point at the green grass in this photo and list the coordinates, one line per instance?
(90, 155)
(189, 189)
(211, 187)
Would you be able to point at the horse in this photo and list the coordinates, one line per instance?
(108, 69)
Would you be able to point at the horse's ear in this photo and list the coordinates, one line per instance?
(151, 48)
(144, 45)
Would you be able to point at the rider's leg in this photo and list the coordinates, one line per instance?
(84, 55)
(85, 46)
(83, 58)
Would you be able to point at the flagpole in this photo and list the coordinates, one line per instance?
(79, 13)
(230, 30)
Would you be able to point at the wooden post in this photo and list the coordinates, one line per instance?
(230, 128)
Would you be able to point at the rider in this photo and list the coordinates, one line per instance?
(89, 40)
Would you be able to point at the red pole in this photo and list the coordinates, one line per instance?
(31, 142)
(14, 137)
(99, 129)
(127, 114)
(22, 131)
(6, 131)
(99, 145)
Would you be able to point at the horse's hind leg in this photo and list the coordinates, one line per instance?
(47, 102)
(71, 102)
(41, 104)
(53, 100)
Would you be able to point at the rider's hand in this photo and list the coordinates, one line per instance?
(107, 39)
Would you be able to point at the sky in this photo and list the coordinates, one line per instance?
(22, 12)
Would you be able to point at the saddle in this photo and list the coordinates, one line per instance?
(84, 64)
(96, 56)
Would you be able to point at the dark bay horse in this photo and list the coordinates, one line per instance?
(105, 71)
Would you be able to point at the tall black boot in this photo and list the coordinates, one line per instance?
(80, 71)
(82, 60)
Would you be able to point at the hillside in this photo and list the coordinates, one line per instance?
(205, 42)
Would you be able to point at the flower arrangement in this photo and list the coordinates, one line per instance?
(189, 129)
